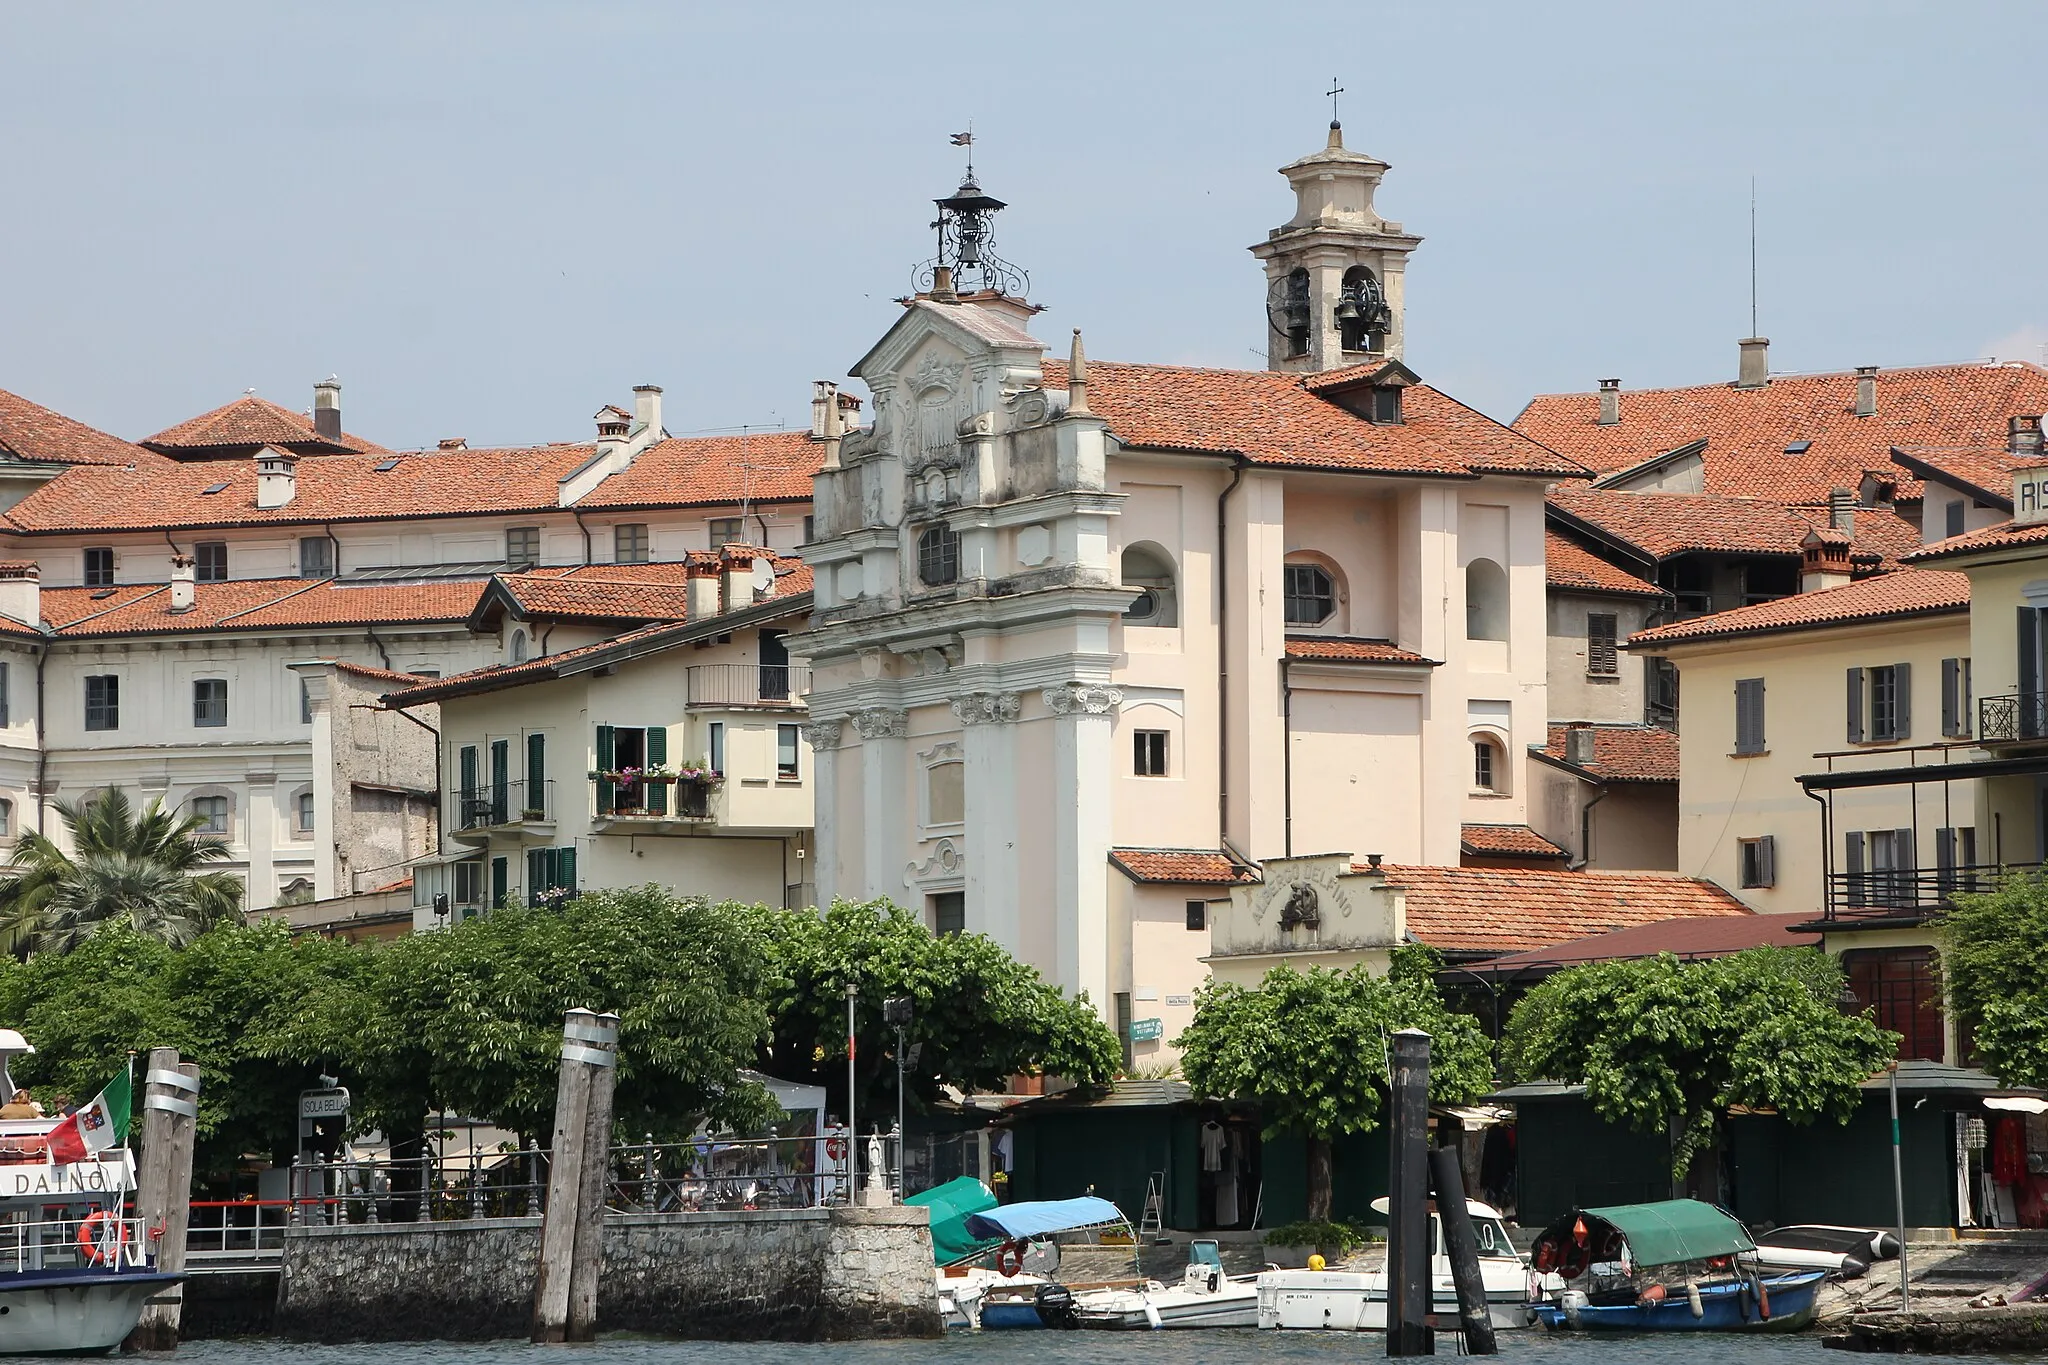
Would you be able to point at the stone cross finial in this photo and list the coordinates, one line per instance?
(1077, 379)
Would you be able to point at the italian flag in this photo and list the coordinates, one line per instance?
(95, 1127)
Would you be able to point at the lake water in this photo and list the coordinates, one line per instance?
(1041, 1348)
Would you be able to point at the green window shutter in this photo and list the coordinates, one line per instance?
(657, 754)
(468, 768)
(537, 772)
(536, 874)
(498, 880)
(607, 795)
(501, 780)
(565, 868)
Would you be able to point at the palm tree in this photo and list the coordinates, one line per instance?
(149, 870)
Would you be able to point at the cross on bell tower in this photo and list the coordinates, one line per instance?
(1335, 270)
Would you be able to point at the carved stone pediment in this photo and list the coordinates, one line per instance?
(935, 372)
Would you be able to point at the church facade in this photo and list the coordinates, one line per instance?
(1091, 640)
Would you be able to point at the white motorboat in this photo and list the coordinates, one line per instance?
(1847, 1252)
(964, 1290)
(1204, 1297)
(1351, 1301)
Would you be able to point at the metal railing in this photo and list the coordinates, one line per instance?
(423, 1189)
(750, 1173)
(502, 803)
(748, 684)
(2011, 720)
(1884, 893)
(236, 1229)
(658, 798)
(97, 1240)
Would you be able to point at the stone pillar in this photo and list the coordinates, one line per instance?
(883, 797)
(824, 872)
(1082, 773)
(163, 1189)
(989, 744)
(260, 817)
(319, 681)
(589, 1046)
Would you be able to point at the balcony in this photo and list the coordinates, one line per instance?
(654, 801)
(767, 685)
(1910, 893)
(2018, 719)
(475, 813)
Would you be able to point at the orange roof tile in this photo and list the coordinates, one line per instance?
(1273, 419)
(769, 466)
(1888, 596)
(255, 604)
(1510, 910)
(631, 592)
(1339, 649)
(384, 675)
(1747, 430)
(1182, 866)
(1986, 472)
(253, 421)
(1665, 524)
(1622, 753)
(1518, 841)
(2004, 536)
(30, 431)
(1570, 567)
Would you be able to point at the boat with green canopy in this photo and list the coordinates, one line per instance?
(1679, 1265)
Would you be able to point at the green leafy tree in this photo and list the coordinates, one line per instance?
(148, 870)
(1310, 1049)
(1994, 970)
(1667, 1046)
(981, 1016)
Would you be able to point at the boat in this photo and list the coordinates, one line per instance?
(1848, 1252)
(1675, 1266)
(1203, 1297)
(1017, 1246)
(1355, 1301)
(75, 1271)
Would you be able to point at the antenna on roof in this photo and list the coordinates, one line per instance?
(1752, 256)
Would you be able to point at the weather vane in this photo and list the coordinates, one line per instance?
(966, 140)
(1334, 91)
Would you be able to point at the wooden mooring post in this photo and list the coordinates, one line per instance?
(572, 1226)
(163, 1188)
(1408, 1288)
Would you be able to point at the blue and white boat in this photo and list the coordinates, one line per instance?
(999, 1264)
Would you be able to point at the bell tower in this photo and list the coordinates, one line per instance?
(1334, 270)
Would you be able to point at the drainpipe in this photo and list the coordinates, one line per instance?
(1223, 654)
(1586, 828)
(382, 652)
(1286, 760)
(42, 748)
(577, 513)
(1827, 851)
(440, 792)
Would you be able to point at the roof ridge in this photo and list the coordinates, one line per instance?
(273, 601)
(1983, 363)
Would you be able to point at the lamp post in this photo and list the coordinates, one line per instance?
(852, 1128)
(899, 1011)
(1899, 1195)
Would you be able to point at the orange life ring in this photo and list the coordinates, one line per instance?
(1010, 1258)
(89, 1242)
(1578, 1258)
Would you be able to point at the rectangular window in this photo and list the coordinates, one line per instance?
(1955, 698)
(469, 883)
(1954, 518)
(1880, 864)
(6, 716)
(1759, 861)
(1602, 656)
(213, 810)
(550, 872)
(1148, 753)
(717, 742)
(305, 812)
(807, 530)
(1749, 716)
(726, 531)
(1386, 404)
(1887, 703)
(949, 912)
(1899, 985)
(785, 752)
(210, 702)
(1483, 775)
(1955, 858)
(1123, 1024)
(210, 561)
(629, 543)
(103, 702)
(522, 546)
(1198, 916)
(316, 557)
(1660, 692)
(99, 567)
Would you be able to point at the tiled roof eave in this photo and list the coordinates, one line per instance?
(259, 523)
(1925, 471)
(1593, 775)
(1647, 639)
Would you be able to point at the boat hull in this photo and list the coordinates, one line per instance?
(1338, 1301)
(73, 1312)
(1126, 1310)
(1723, 1308)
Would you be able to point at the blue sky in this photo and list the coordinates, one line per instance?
(491, 218)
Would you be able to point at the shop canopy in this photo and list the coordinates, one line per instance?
(1675, 1230)
(1043, 1217)
(951, 1205)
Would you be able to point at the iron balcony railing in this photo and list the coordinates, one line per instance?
(1911, 892)
(748, 684)
(2014, 719)
(656, 798)
(503, 803)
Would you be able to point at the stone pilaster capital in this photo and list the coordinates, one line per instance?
(1082, 699)
(824, 733)
(882, 722)
(988, 708)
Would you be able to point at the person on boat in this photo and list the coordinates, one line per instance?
(64, 1106)
(21, 1106)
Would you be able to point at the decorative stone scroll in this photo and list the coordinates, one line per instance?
(882, 722)
(824, 734)
(1082, 699)
(988, 708)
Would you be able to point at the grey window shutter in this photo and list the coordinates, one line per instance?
(1852, 863)
(2030, 673)
(1904, 855)
(1951, 699)
(1767, 859)
(1902, 675)
(1855, 706)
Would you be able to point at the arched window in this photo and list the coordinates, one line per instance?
(1311, 595)
(518, 646)
(938, 556)
(1362, 315)
(1486, 601)
(1146, 567)
(1489, 771)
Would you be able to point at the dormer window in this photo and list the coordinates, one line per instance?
(1386, 404)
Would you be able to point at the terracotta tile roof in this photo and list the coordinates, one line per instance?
(769, 466)
(1889, 596)
(2004, 536)
(632, 592)
(376, 674)
(1510, 910)
(255, 604)
(1623, 753)
(1747, 430)
(20, 629)
(1518, 841)
(1338, 649)
(1693, 937)
(985, 323)
(1273, 419)
(1182, 866)
(1665, 524)
(252, 421)
(30, 431)
(1570, 567)
(1985, 471)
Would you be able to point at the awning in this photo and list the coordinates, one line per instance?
(1040, 1217)
(1675, 1230)
(1931, 772)
(2019, 1104)
(952, 1204)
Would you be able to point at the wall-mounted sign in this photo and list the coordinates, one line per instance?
(2029, 496)
(1147, 1030)
(323, 1104)
(1183, 1001)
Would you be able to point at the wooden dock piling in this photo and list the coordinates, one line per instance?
(163, 1188)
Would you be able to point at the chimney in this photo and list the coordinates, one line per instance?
(736, 577)
(327, 408)
(1578, 746)
(1824, 560)
(1610, 402)
(1753, 371)
(835, 425)
(1842, 511)
(942, 285)
(277, 477)
(451, 443)
(701, 589)
(1077, 379)
(1866, 391)
(182, 578)
(2023, 436)
(21, 595)
(647, 411)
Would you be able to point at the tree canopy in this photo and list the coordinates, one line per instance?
(1667, 1046)
(1994, 970)
(1310, 1048)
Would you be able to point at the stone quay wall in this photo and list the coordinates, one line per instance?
(782, 1274)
